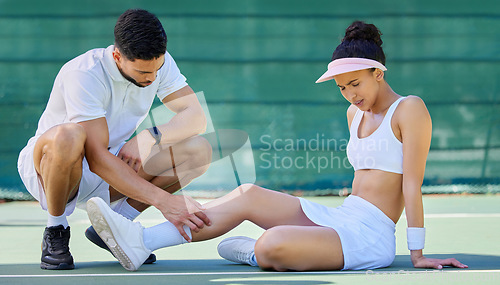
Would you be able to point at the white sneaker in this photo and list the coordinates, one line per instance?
(238, 249)
(122, 236)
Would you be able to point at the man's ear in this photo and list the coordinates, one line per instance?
(117, 56)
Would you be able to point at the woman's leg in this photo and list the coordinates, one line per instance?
(265, 208)
(299, 248)
(291, 241)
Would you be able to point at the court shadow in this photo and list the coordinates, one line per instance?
(217, 270)
(97, 267)
(199, 271)
(179, 272)
(243, 281)
(401, 262)
(176, 266)
(474, 261)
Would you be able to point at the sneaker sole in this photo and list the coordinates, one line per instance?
(93, 237)
(62, 266)
(101, 226)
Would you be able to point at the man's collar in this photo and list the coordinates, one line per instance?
(111, 67)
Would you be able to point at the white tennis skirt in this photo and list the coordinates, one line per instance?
(366, 233)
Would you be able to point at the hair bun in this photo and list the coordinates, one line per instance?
(359, 30)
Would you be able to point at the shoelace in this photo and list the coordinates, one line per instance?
(58, 241)
(243, 256)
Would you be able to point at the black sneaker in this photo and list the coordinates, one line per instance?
(55, 249)
(92, 235)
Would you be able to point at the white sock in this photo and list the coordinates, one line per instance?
(53, 221)
(124, 209)
(253, 260)
(164, 235)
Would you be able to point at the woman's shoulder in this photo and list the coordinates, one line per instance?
(351, 111)
(411, 104)
(412, 108)
(412, 101)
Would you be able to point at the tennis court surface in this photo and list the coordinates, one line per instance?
(466, 227)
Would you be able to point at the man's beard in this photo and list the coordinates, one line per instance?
(131, 79)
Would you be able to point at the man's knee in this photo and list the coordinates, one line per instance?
(67, 140)
(199, 152)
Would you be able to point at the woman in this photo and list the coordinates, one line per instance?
(389, 141)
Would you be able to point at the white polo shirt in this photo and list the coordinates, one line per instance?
(91, 86)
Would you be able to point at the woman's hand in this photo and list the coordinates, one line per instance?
(424, 262)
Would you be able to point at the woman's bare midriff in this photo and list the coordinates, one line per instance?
(382, 189)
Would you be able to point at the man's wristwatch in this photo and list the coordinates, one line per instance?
(156, 134)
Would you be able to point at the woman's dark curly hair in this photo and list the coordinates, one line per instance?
(361, 40)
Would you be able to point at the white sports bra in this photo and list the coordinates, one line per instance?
(381, 150)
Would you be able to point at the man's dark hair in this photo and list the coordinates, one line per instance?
(140, 35)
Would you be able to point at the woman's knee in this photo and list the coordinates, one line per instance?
(271, 249)
(250, 191)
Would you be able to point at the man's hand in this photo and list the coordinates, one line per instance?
(137, 150)
(183, 210)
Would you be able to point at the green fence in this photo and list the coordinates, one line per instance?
(256, 62)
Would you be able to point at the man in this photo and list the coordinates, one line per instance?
(79, 150)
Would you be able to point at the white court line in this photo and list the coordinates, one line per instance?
(369, 272)
(459, 215)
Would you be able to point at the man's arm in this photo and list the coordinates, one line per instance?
(118, 174)
(189, 119)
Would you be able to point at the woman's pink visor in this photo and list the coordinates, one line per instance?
(344, 65)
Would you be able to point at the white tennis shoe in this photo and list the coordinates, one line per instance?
(123, 236)
(238, 249)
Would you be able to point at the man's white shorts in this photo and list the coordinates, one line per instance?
(91, 185)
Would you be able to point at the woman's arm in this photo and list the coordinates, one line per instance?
(415, 126)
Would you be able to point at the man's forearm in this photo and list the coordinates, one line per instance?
(124, 179)
(183, 125)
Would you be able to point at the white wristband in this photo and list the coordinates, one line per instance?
(415, 238)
